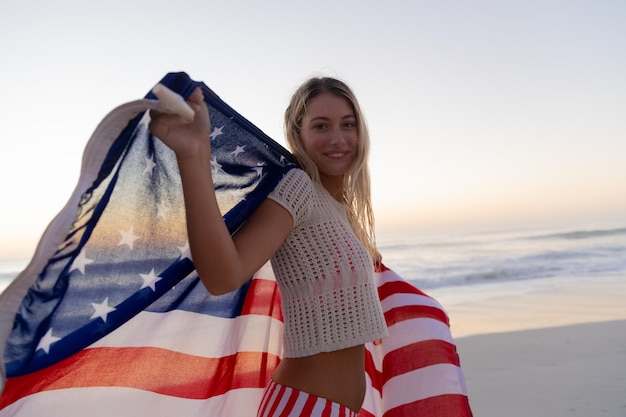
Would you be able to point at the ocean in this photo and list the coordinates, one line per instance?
(460, 268)
(465, 267)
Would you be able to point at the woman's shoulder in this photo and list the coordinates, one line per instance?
(296, 178)
(299, 174)
(294, 192)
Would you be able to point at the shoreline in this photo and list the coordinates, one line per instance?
(573, 302)
(555, 353)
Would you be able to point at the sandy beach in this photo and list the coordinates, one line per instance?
(559, 352)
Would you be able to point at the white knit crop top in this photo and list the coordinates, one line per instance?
(324, 273)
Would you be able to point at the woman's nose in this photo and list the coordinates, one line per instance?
(336, 136)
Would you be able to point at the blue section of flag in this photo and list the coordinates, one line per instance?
(125, 252)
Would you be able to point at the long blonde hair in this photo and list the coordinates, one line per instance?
(356, 182)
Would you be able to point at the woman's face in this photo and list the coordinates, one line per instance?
(330, 135)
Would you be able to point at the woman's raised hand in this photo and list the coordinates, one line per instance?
(187, 138)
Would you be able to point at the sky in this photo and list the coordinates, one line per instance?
(482, 114)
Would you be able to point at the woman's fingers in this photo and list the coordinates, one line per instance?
(183, 134)
(173, 102)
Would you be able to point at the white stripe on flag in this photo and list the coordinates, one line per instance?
(195, 334)
(409, 299)
(423, 383)
(126, 402)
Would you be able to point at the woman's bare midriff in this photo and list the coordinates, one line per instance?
(337, 376)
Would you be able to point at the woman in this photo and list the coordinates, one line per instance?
(317, 229)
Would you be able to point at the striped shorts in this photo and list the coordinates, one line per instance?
(281, 401)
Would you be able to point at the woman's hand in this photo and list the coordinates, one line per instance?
(186, 138)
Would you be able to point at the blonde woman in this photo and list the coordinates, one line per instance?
(316, 227)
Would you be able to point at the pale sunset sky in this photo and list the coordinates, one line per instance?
(483, 114)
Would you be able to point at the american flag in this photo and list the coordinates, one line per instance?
(110, 318)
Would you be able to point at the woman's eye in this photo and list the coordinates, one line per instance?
(319, 126)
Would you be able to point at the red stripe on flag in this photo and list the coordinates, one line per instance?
(402, 313)
(263, 298)
(398, 287)
(448, 405)
(152, 369)
(376, 376)
(365, 413)
(419, 355)
(410, 358)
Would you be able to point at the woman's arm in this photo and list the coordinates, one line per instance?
(223, 262)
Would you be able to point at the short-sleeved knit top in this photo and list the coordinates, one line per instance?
(325, 275)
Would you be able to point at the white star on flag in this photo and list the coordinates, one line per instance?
(80, 262)
(128, 237)
(46, 341)
(149, 280)
(216, 166)
(259, 171)
(216, 132)
(185, 251)
(102, 310)
(238, 150)
(149, 165)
